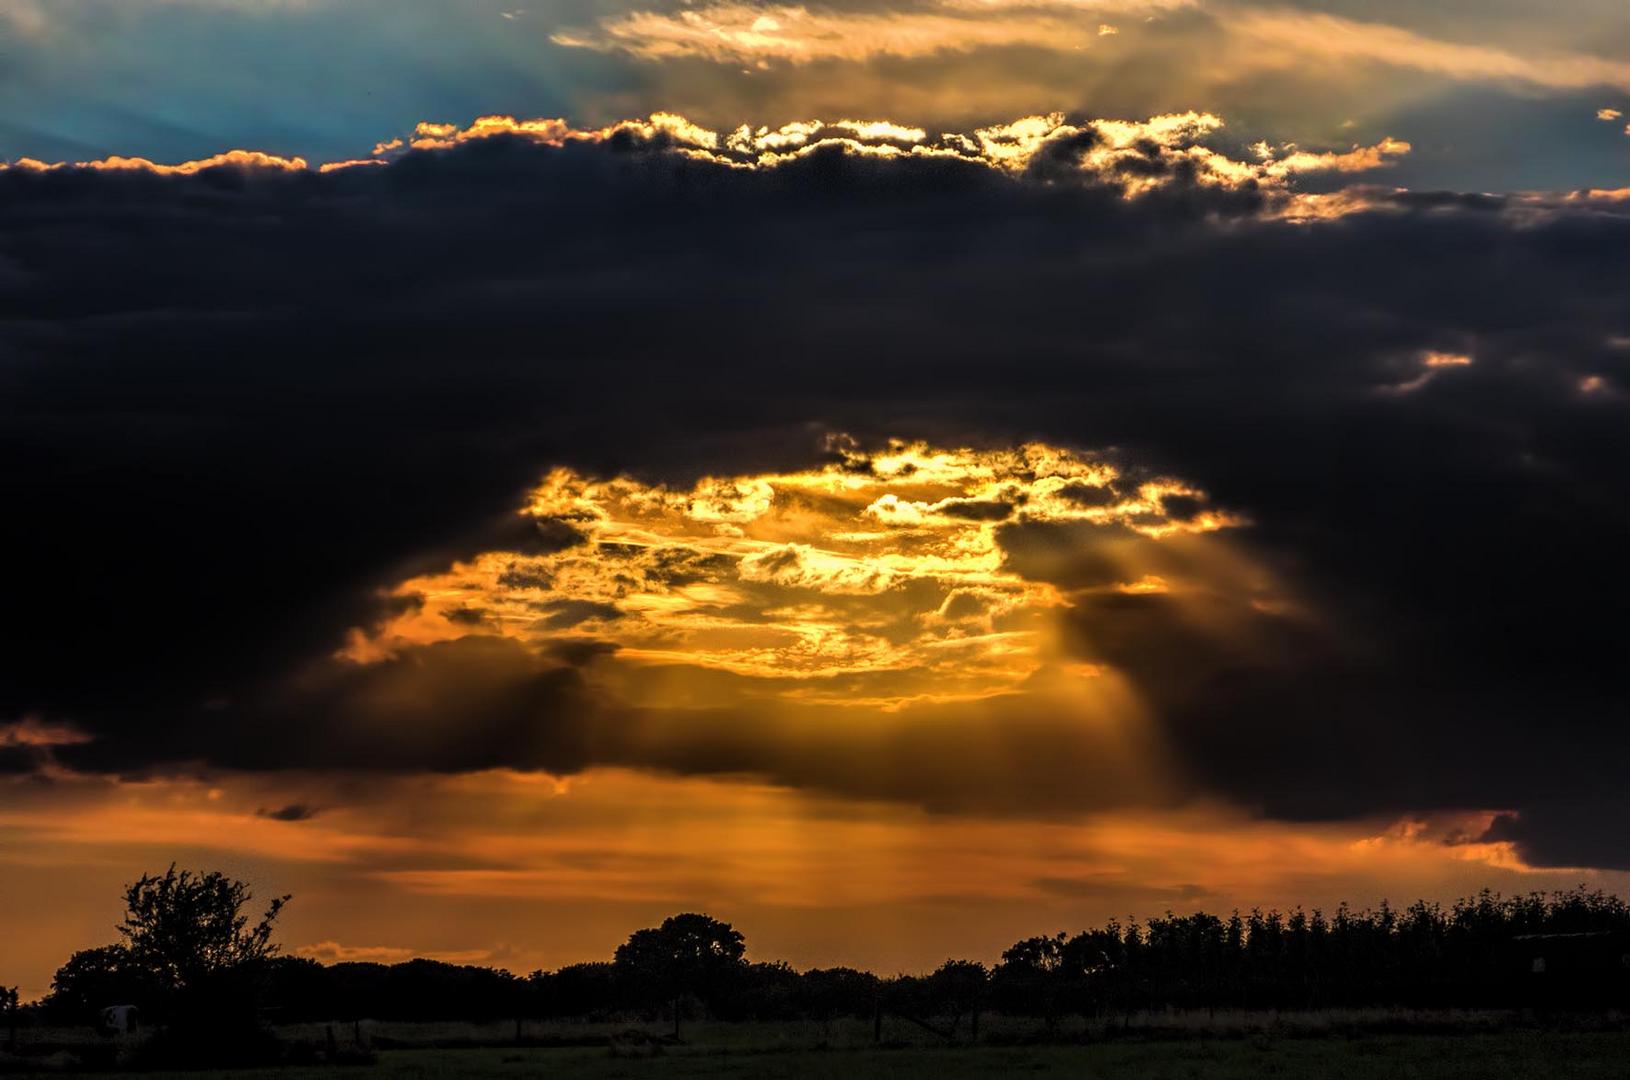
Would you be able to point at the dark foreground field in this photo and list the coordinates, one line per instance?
(1335, 1052)
(1426, 1057)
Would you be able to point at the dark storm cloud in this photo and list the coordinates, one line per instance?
(476, 702)
(483, 702)
(236, 404)
(564, 614)
(16, 760)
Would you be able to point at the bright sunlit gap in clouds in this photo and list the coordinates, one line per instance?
(884, 626)
(881, 578)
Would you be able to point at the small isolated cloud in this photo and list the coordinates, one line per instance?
(334, 952)
(230, 159)
(1430, 364)
(1608, 114)
(290, 812)
(33, 732)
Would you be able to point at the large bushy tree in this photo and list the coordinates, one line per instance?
(93, 979)
(958, 988)
(189, 929)
(687, 954)
(190, 957)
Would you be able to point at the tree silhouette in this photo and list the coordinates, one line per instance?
(186, 929)
(93, 979)
(687, 954)
(1031, 973)
(192, 958)
(190, 936)
(956, 989)
(10, 1005)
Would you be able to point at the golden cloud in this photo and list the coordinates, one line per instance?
(1133, 157)
(1432, 363)
(887, 563)
(756, 34)
(241, 159)
(759, 34)
(1282, 37)
(1263, 38)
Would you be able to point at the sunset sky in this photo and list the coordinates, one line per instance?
(897, 476)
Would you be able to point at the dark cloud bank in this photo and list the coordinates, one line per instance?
(233, 405)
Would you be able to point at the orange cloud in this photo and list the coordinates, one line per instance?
(734, 32)
(241, 159)
(1272, 37)
(34, 732)
(332, 952)
(1283, 37)
(1432, 362)
(1358, 159)
(742, 33)
(354, 163)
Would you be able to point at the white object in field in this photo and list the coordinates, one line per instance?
(121, 1019)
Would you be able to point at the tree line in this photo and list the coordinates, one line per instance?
(192, 957)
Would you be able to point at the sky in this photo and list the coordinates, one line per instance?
(899, 477)
(1493, 96)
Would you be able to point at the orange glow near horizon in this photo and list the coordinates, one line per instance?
(454, 867)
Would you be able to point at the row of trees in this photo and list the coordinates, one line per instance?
(191, 956)
(1475, 952)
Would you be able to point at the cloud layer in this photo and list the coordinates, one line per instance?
(246, 403)
(1496, 97)
(1255, 38)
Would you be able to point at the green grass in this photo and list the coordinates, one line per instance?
(1541, 1055)
(1372, 1058)
(856, 1033)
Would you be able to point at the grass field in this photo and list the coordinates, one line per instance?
(1542, 1056)
(1334, 1051)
